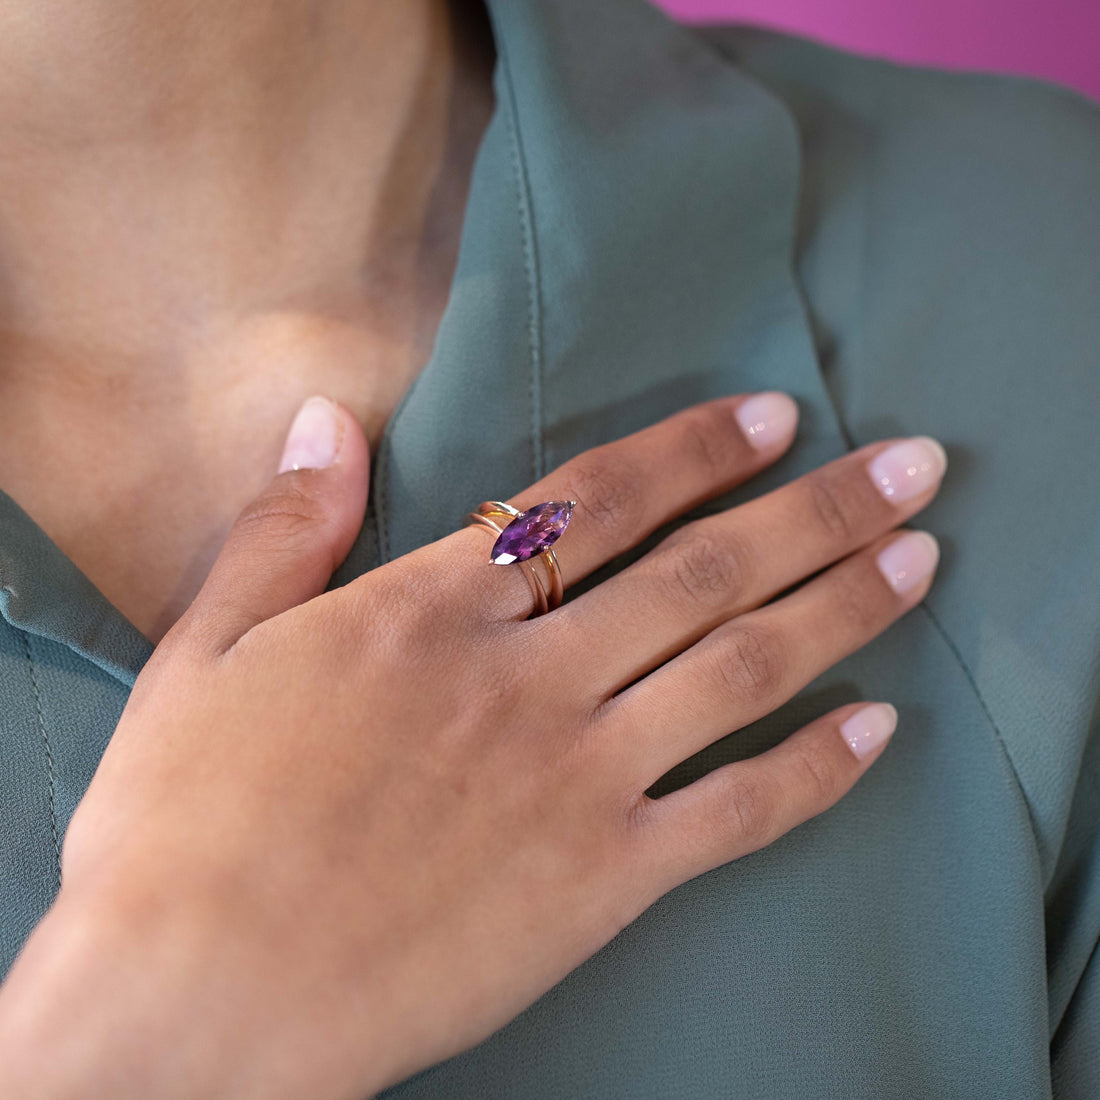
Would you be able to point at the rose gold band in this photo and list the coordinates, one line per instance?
(548, 594)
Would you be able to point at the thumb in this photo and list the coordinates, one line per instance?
(287, 542)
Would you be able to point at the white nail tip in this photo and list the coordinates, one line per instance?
(908, 560)
(869, 728)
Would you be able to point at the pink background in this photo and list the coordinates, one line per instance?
(1057, 39)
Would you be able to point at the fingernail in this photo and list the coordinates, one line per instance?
(869, 727)
(907, 560)
(312, 443)
(767, 418)
(908, 468)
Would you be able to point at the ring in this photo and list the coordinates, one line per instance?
(527, 537)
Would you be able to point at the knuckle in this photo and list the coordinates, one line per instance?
(395, 608)
(818, 771)
(859, 599)
(835, 505)
(751, 809)
(280, 515)
(701, 567)
(711, 432)
(750, 662)
(605, 488)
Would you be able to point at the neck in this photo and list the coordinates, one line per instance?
(209, 211)
(172, 168)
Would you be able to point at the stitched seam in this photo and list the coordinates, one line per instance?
(378, 502)
(51, 777)
(870, 180)
(988, 714)
(530, 262)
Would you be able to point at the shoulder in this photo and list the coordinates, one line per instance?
(1009, 143)
(803, 69)
(975, 197)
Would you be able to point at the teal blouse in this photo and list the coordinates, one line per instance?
(658, 216)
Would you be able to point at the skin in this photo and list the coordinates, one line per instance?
(339, 836)
(238, 204)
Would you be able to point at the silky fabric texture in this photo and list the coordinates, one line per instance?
(660, 215)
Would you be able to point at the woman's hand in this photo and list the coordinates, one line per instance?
(339, 836)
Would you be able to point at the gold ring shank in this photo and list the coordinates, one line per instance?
(548, 594)
(529, 571)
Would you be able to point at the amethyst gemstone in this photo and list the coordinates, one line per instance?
(532, 532)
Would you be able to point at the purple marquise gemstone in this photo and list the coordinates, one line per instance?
(532, 532)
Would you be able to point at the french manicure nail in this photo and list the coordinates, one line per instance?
(869, 727)
(767, 418)
(311, 443)
(908, 468)
(907, 560)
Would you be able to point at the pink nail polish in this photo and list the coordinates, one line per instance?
(311, 443)
(908, 468)
(767, 418)
(869, 727)
(908, 559)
